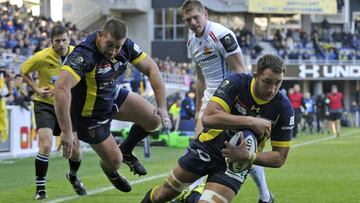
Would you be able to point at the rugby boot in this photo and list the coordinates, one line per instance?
(134, 164)
(77, 185)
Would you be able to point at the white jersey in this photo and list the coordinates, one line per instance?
(209, 52)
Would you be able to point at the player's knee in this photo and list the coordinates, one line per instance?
(76, 154)
(45, 148)
(153, 124)
(113, 163)
(211, 196)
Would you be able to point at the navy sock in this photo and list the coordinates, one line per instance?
(193, 197)
(74, 167)
(136, 134)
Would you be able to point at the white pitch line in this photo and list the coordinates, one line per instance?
(104, 189)
(321, 140)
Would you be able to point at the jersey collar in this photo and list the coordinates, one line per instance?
(256, 99)
(206, 31)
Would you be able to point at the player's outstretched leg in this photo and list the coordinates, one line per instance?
(118, 181)
(76, 184)
(136, 134)
(258, 175)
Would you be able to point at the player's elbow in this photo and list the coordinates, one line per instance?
(279, 162)
(207, 121)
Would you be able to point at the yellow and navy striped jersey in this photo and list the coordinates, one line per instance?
(236, 96)
(97, 76)
(48, 64)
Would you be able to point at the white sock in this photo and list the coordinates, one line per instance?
(196, 183)
(258, 175)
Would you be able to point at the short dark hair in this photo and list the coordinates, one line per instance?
(275, 63)
(18, 76)
(192, 4)
(116, 28)
(58, 30)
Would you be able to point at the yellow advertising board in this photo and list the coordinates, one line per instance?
(293, 6)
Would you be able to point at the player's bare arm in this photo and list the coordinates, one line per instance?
(274, 159)
(150, 69)
(216, 117)
(236, 62)
(42, 91)
(200, 88)
(62, 99)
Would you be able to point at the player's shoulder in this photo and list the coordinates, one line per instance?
(241, 78)
(86, 49)
(43, 54)
(219, 30)
(130, 45)
(284, 103)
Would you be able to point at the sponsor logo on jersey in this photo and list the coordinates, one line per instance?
(207, 50)
(287, 127)
(292, 120)
(240, 109)
(106, 84)
(207, 59)
(104, 68)
(254, 108)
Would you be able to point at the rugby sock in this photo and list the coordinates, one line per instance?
(147, 198)
(41, 166)
(74, 167)
(136, 134)
(258, 175)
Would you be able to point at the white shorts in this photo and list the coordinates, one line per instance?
(205, 100)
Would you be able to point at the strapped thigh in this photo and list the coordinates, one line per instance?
(176, 184)
(213, 197)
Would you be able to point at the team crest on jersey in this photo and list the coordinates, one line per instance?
(137, 48)
(229, 43)
(207, 50)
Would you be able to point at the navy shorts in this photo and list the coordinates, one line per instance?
(204, 158)
(119, 99)
(335, 114)
(45, 117)
(96, 129)
(92, 130)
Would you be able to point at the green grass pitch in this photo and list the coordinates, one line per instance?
(319, 168)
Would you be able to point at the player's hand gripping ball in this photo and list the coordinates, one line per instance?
(251, 146)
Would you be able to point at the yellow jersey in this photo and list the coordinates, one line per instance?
(48, 64)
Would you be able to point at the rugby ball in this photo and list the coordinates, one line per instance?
(251, 145)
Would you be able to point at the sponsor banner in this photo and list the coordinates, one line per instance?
(321, 72)
(23, 140)
(293, 6)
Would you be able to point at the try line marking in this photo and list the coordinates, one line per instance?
(104, 189)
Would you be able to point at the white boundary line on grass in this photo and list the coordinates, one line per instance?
(104, 189)
(321, 140)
